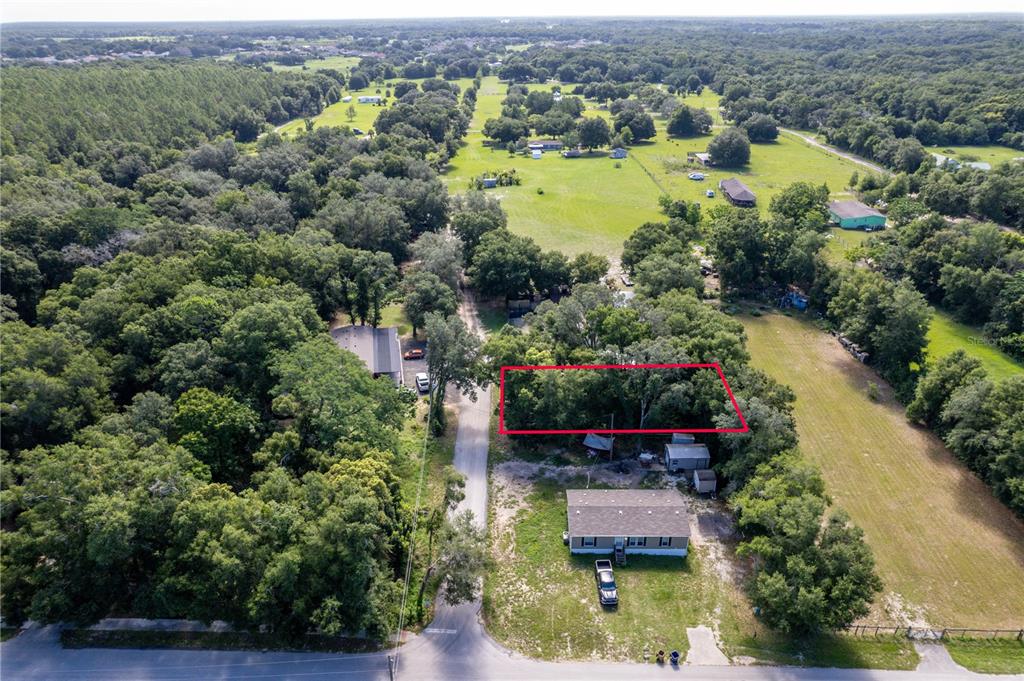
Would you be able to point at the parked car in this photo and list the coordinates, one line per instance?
(696, 176)
(626, 281)
(710, 193)
(357, 131)
(422, 382)
(415, 353)
(606, 591)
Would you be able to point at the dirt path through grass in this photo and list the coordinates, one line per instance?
(942, 541)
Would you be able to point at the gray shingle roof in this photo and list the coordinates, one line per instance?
(736, 190)
(627, 513)
(852, 209)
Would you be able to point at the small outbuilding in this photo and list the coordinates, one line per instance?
(618, 152)
(737, 193)
(346, 99)
(545, 145)
(686, 458)
(701, 157)
(683, 439)
(855, 215)
(489, 182)
(704, 481)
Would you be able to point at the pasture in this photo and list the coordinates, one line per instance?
(343, 64)
(948, 552)
(946, 335)
(991, 153)
(593, 203)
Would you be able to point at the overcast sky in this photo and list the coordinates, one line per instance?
(182, 10)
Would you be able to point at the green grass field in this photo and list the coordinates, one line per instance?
(589, 204)
(343, 64)
(992, 153)
(998, 656)
(943, 543)
(946, 335)
(337, 114)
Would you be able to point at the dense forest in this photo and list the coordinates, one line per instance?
(181, 436)
(59, 113)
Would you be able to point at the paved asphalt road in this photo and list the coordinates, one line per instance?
(454, 647)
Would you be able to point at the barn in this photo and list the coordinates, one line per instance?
(855, 215)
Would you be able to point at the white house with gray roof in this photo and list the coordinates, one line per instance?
(648, 521)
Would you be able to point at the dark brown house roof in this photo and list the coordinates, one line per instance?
(736, 190)
(627, 513)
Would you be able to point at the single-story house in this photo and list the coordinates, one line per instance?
(704, 480)
(370, 99)
(855, 215)
(378, 348)
(572, 153)
(618, 152)
(545, 145)
(737, 193)
(346, 99)
(701, 157)
(686, 457)
(648, 521)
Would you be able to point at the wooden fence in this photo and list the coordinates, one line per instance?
(931, 634)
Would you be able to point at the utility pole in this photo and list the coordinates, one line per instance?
(611, 446)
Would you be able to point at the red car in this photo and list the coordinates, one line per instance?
(415, 353)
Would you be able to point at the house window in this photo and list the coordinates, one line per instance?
(590, 541)
(638, 541)
(664, 541)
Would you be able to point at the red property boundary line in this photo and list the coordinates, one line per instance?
(744, 428)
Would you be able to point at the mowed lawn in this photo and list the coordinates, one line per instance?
(992, 153)
(946, 335)
(593, 203)
(943, 543)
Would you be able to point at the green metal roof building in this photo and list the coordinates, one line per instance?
(855, 215)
